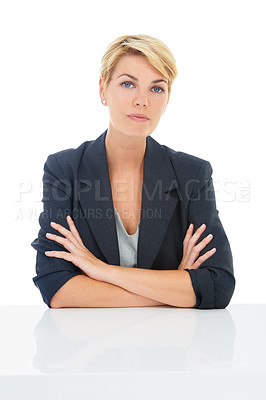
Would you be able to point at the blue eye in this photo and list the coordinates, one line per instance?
(158, 91)
(125, 84)
(155, 89)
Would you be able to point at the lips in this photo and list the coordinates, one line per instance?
(138, 117)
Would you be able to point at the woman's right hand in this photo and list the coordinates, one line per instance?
(191, 250)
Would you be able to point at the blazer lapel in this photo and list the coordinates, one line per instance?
(95, 196)
(158, 204)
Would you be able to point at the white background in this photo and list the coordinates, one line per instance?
(49, 70)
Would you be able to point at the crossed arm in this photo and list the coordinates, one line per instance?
(117, 286)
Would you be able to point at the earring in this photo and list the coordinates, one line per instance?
(104, 101)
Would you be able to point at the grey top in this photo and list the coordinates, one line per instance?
(128, 244)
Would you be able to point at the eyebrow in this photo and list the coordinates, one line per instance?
(135, 79)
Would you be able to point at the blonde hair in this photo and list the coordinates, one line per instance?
(153, 49)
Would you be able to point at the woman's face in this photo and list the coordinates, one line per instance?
(136, 87)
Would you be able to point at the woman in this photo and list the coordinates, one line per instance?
(128, 221)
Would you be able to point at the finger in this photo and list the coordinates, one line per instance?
(192, 242)
(203, 258)
(201, 245)
(74, 230)
(193, 253)
(187, 237)
(60, 254)
(63, 241)
(65, 232)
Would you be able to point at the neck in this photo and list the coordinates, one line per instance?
(125, 154)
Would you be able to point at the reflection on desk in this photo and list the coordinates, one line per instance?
(141, 340)
(148, 352)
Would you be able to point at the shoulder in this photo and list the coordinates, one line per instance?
(68, 159)
(188, 164)
(70, 155)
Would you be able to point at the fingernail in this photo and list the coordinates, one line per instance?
(203, 226)
(48, 234)
(209, 236)
(213, 250)
(190, 226)
(52, 223)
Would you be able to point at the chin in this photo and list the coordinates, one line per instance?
(133, 129)
(136, 131)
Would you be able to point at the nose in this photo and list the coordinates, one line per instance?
(141, 100)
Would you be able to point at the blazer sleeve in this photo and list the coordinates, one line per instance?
(213, 282)
(52, 273)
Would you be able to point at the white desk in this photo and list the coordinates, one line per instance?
(133, 353)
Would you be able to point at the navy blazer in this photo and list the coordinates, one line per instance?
(177, 190)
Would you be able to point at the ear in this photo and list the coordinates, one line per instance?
(101, 92)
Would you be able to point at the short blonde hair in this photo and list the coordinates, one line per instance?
(153, 49)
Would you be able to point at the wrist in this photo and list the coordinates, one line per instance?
(100, 271)
(107, 272)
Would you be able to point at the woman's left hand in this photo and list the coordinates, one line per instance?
(78, 254)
